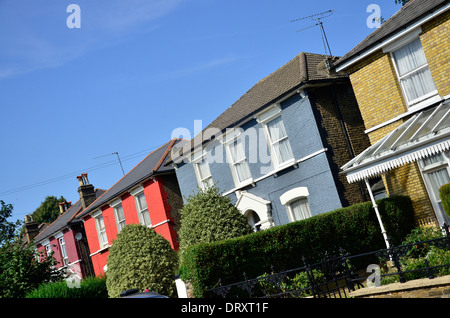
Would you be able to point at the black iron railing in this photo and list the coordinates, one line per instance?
(335, 276)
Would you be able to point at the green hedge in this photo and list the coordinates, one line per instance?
(91, 287)
(355, 229)
(444, 193)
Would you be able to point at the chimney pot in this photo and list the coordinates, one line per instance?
(86, 191)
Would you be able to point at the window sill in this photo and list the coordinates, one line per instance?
(278, 170)
(101, 250)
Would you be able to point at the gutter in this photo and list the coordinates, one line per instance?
(359, 56)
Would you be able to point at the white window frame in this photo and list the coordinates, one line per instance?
(48, 249)
(101, 230)
(292, 196)
(264, 119)
(136, 193)
(62, 246)
(425, 171)
(231, 138)
(199, 157)
(120, 222)
(414, 35)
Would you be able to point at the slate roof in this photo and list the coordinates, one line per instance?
(153, 164)
(406, 16)
(63, 220)
(300, 70)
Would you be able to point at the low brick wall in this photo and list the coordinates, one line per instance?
(420, 288)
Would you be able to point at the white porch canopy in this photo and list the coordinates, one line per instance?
(424, 134)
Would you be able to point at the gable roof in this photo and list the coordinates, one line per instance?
(409, 14)
(302, 69)
(150, 166)
(63, 220)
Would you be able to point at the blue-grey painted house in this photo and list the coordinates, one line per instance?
(277, 150)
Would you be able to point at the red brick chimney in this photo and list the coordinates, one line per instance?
(31, 228)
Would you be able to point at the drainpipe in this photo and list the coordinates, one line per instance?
(347, 138)
(383, 231)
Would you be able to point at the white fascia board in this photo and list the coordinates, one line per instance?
(393, 38)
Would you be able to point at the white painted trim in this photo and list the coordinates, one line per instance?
(137, 190)
(294, 194)
(393, 38)
(101, 250)
(278, 170)
(115, 202)
(402, 41)
(160, 223)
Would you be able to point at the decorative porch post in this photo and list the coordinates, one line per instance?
(383, 231)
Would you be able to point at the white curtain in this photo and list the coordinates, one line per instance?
(239, 160)
(102, 230)
(413, 69)
(437, 179)
(205, 173)
(300, 209)
(280, 142)
(120, 217)
(144, 210)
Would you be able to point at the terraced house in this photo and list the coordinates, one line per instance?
(147, 195)
(400, 76)
(277, 150)
(65, 238)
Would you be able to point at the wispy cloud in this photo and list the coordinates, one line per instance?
(196, 68)
(38, 37)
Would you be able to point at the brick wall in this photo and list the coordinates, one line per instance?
(436, 46)
(380, 99)
(407, 180)
(438, 287)
(331, 103)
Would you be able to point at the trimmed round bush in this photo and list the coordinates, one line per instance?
(208, 216)
(142, 259)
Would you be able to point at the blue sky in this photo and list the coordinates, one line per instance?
(133, 72)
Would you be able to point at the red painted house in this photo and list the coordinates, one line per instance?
(148, 194)
(66, 238)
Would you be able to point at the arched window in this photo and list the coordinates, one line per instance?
(296, 203)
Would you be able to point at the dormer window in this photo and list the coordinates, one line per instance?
(413, 72)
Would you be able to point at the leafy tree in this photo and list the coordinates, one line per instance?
(208, 216)
(7, 229)
(20, 270)
(48, 211)
(142, 259)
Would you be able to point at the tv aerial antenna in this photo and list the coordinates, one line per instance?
(319, 17)
(118, 158)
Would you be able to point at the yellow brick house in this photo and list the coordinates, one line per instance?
(400, 76)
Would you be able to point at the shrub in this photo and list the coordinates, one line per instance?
(91, 287)
(208, 216)
(297, 286)
(354, 229)
(419, 254)
(142, 259)
(444, 193)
